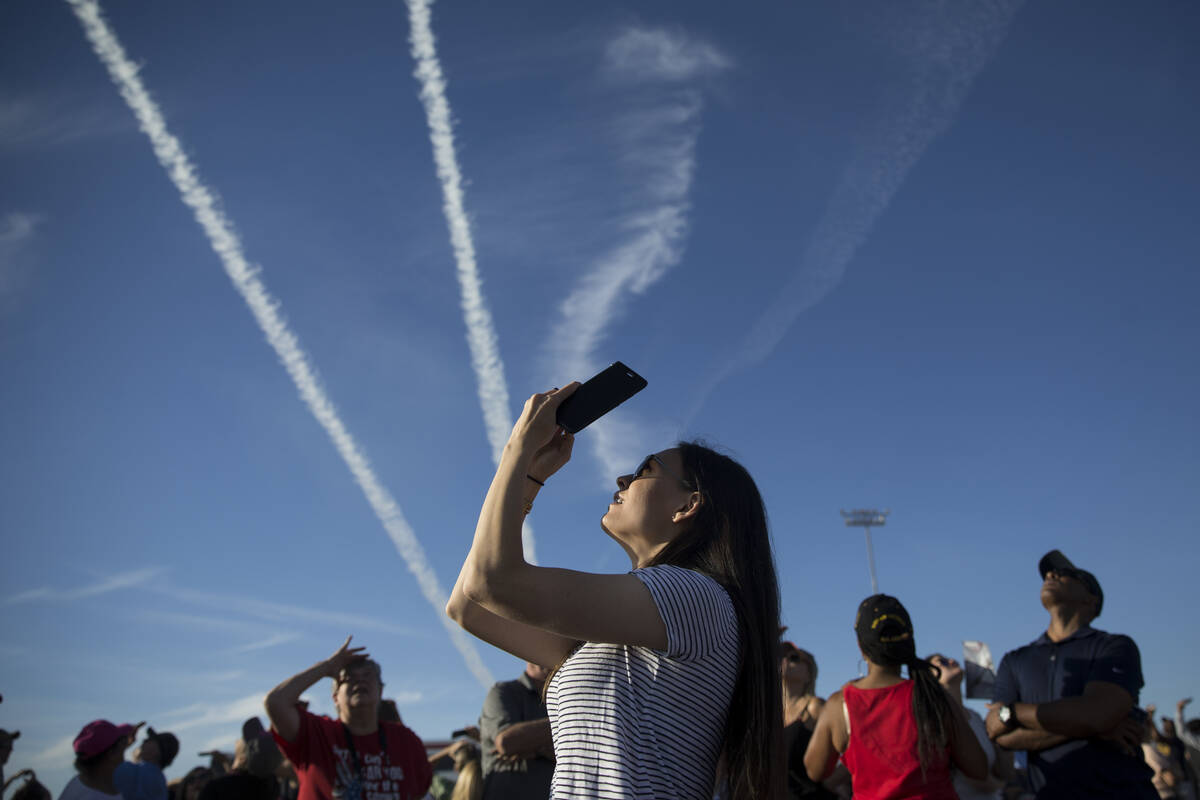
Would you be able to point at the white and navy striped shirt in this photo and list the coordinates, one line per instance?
(632, 722)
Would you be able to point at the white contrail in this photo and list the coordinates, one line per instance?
(265, 309)
(481, 332)
(659, 143)
(954, 51)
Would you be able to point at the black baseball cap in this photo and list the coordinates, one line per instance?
(168, 746)
(882, 619)
(1055, 561)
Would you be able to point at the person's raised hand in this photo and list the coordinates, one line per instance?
(537, 426)
(132, 737)
(550, 458)
(344, 657)
(1182, 704)
(1150, 709)
(459, 746)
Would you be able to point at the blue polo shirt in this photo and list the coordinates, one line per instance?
(1044, 671)
(139, 780)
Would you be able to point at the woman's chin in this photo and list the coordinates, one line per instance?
(605, 525)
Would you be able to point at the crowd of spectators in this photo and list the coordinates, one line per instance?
(1066, 705)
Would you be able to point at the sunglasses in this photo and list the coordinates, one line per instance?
(640, 472)
(1065, 572)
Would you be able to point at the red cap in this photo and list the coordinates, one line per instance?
(99, 735)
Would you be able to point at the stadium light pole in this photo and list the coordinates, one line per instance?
(867, 518)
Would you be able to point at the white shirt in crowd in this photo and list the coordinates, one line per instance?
(75, 790)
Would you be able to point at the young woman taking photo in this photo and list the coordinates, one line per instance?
(661, 672)
(897, 736)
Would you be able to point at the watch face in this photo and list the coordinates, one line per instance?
(1005, 714)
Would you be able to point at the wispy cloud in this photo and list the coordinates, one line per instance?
(17, 231)
(270, 641)
(61, 751)
(242, 606)
(658, 140)
(640, 54)
(949, 45)
(199, 715)
(482, 339)
(266, 311)
(112, 583)
(45, 121)
(406, 697)
(176, 619)
(225, 742)
(16, 227)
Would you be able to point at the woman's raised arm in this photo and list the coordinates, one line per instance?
(497, 585)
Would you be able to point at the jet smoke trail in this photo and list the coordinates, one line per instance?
(481, 332)
(265, 309)
(659, 139)
(961, 48)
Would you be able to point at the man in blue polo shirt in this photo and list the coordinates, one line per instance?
(1069, 697)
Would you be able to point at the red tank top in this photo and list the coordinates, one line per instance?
(882, 752)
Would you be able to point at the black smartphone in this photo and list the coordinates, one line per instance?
(600, 395)
(459, 732)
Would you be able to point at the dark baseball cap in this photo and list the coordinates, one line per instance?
(168, 746)
(1055, 561)
(883, 619)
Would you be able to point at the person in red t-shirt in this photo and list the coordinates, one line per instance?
(353, 757)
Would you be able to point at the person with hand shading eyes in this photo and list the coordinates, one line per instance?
(356, 756)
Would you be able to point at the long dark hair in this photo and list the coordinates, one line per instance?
(885, 634)
(729, 542)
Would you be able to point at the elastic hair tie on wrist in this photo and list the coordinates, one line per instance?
(535, 480)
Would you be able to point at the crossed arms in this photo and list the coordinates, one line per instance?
(1102, 711)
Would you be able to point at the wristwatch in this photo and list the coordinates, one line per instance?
(1008, 715)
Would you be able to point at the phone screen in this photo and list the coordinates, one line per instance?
(600, 395)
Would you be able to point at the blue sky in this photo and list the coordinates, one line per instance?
(937, 260)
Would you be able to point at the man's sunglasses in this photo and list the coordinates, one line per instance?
(640, 472)
(1065, 572)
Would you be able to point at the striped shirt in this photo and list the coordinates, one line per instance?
(632, 722)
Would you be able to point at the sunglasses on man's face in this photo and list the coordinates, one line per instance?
(1064, 572)
(640, 472)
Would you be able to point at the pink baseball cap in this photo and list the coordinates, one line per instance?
(99, 735)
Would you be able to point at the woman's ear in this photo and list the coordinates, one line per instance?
(689, 509)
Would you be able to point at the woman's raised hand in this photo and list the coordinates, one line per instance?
(552, 455)
(537, 431)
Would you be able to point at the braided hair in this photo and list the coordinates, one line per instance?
(885, 634)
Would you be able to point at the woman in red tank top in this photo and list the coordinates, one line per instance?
(897, 736)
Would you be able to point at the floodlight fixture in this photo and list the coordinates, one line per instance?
(867, 518)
